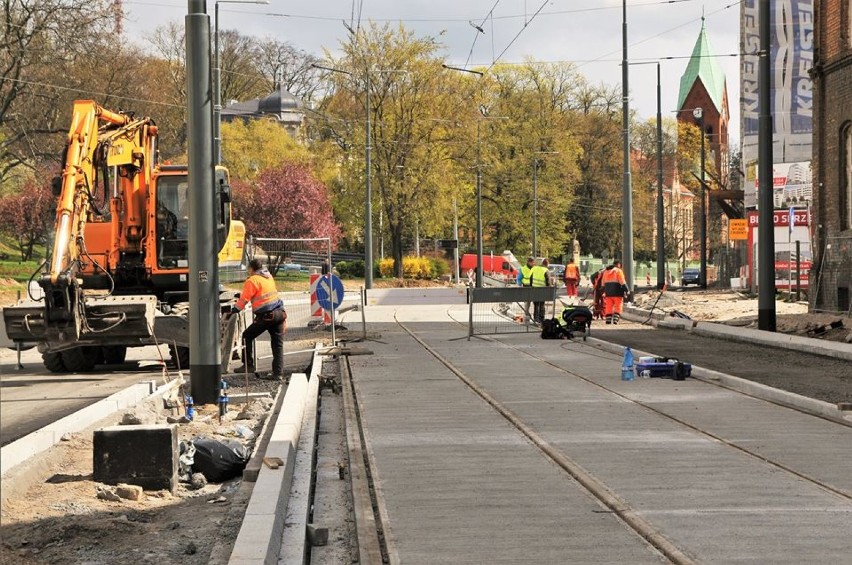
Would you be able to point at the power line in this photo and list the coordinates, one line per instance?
(90, 92)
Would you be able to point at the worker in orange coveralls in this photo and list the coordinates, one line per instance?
(572, 280)
(615, 290)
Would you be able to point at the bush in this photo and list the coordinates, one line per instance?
(350, 269)
(416, 267)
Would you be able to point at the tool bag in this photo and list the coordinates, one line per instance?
(551, 329)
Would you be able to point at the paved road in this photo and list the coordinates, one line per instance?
(815, 376)
(33, 397)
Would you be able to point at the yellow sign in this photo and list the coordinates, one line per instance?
(738, 229)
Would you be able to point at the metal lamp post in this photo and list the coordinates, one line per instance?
(698, 113)
(627, 191)
(217, 81)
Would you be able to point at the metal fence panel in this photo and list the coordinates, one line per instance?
(507, 309)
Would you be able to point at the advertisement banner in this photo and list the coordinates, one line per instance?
(785, 246)
(791, 89)
(792, 185)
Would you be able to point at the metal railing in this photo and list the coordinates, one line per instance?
(507, 309)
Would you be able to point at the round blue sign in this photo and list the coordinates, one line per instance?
(329, 292)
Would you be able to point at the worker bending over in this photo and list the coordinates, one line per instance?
(615, 289)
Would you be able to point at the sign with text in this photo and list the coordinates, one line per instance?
(737, 229)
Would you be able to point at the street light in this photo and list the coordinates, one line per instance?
(217, 84)
(661, 242)
(627, 190)
(698, 114)
(535, 200)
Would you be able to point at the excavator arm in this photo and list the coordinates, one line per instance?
(115, 150)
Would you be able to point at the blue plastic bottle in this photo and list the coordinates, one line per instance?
(627, 365)
(190, 408)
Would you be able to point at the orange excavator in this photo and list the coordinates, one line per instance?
(117, 276)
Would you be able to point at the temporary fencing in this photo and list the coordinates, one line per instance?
(297, 265)
(834, 280)
(508, 309)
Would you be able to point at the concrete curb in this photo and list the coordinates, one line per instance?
(294, 540)
(751, 388)
(259, 538)
(40, 440)
(746, 335)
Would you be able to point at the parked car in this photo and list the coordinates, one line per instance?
(557, 271)
(690, 276)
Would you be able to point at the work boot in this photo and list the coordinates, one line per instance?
(615, 318)
(609, 319)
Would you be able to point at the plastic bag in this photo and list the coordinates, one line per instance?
(219, 461)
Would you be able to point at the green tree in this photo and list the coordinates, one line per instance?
(252, 146)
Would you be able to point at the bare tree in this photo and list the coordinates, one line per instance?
(281, 61)
(38, 48)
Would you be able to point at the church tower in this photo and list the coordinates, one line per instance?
(703, 85)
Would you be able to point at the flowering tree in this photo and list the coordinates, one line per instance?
(287, 201)
(24, 216)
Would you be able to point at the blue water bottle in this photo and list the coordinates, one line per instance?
(627, 365)
(190, 408)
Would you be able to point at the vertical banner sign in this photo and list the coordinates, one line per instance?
(791, 57)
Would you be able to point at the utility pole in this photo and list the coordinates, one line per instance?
(661, 240)
(368, 202)
(535, 209)
(766, 229)
(699, 115)
(627, 191)
(205, 355)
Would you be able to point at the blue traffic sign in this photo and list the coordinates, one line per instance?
(329, 295)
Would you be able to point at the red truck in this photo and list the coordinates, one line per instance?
(504, 264)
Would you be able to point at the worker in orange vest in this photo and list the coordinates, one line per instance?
(572, 281)
(615, 289)
(260, 291)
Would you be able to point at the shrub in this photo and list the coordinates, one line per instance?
(386, 267)
(350, 269)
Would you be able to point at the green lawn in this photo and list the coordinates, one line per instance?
(17, 270)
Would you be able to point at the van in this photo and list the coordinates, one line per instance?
(491, 265)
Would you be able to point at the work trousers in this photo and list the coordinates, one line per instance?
(571, 287)
(538, 311)
(612, 308)
(275, 323)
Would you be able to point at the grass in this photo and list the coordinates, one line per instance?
(17, 270)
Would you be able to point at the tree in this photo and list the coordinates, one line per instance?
(25, 216)
(410, 106)
(39, 53)
(253, 146)
(286, 201)
(281, 62)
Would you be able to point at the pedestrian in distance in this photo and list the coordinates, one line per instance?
(540, 278)
(615, 290)
(572, 282)
(269, 316)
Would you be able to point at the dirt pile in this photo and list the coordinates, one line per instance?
(60, 518)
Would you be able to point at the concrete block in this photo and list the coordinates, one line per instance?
(130, 492)
(140, 455)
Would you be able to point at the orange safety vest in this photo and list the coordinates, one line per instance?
(613, 282)
(258, 290)
(572, 272)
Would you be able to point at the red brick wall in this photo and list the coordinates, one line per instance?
(832, 76)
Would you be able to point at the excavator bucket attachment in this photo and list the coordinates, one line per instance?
(104, 321)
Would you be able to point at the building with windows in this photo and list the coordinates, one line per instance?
(832, 155)
(280, 105)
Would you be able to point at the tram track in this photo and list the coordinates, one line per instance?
(597, 488)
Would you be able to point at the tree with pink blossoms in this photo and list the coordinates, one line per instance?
(287, 201)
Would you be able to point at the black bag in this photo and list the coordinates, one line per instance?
(551, 329)
(219, 461)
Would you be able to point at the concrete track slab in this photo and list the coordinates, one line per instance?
(462, 485)
(433, 441)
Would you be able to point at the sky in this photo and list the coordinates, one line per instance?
(587, 32)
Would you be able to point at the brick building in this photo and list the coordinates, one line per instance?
(832, 156)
